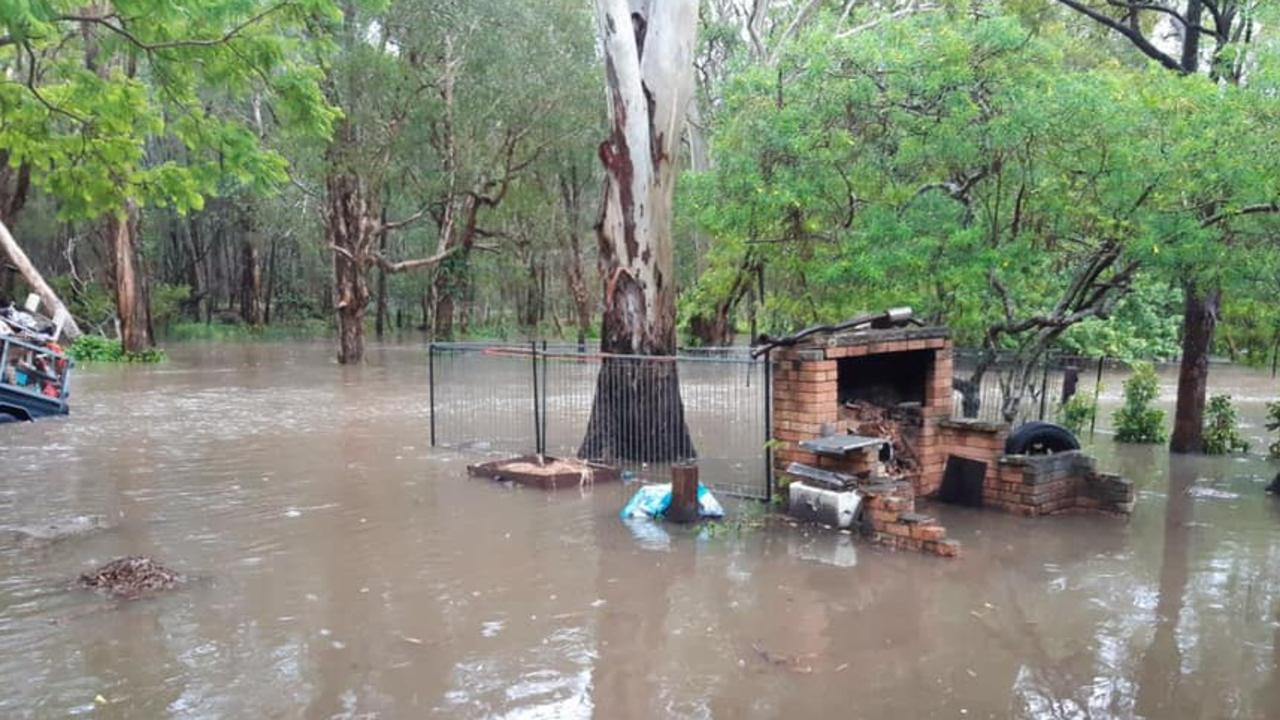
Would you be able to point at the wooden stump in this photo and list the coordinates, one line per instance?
(684, 494)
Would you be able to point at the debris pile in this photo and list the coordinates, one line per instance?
(132, 577)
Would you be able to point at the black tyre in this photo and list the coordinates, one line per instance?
(1040, 438)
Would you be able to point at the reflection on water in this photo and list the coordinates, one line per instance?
(342, 568)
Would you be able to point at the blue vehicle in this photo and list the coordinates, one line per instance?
(34, 380)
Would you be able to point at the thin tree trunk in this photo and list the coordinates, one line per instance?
(271, 283)
(442, 315)
(1199, 321)
(130, 292)
(570, 195)
(718, 329)
(637, 413)
(380, 322)
(250, 283)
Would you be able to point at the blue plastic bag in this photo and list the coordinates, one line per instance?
(652, 501)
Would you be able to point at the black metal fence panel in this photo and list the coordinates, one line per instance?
(540, 398)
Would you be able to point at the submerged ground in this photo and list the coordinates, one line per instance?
(340, 567)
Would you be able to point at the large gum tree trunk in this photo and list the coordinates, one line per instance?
(131, 294)
(637, 413)
(349, 227)
(1199, 321)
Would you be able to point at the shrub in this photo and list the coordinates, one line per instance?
(1220, 433)
(96, 348)
(1077, 414)
(1273, 424)
(1136, 421)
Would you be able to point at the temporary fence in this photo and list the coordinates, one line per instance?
(541, 398)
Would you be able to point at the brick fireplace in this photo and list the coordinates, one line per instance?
(905, 371)
(896, 383)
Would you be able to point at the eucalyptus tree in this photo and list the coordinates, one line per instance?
(88, 84)
(648, 50)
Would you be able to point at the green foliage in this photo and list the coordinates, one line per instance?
(166, 302)
(1273, 425)
(1144, 326)
(239, 332)
(973, 169)
(1077, 414)
(1137, 421)
(96, 348)
(148, 72)
(91, 303)
(1221, 434)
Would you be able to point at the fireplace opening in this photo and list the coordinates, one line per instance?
(886, 380)
(884, 396)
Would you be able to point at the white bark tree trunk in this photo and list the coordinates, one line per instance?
(648, 46)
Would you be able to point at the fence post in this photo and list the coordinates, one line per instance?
(544, 397)
(537, 421)
(768, 426)
(431, 384)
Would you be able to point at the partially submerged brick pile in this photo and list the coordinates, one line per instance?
(1035, 485)
(890, 519)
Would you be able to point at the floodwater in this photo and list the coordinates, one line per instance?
(340, 567)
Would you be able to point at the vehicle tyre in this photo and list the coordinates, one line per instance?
(1040, 438)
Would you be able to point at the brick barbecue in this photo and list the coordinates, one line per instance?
(844, 389)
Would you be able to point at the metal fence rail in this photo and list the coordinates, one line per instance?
(539, 397)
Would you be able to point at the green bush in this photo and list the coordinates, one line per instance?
(1136, 421)
(1221, 435)
(1077, 414)
(1273, 424)
(96, 348)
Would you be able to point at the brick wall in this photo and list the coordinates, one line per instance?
(1034, 485)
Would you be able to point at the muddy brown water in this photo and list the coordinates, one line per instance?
(343, 568)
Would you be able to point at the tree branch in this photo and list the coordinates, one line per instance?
(405, 265)
(124, 32)
(1134, 35)
(1270, 208)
